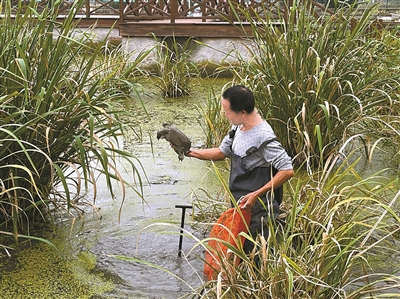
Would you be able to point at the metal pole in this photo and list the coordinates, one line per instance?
(183, 207)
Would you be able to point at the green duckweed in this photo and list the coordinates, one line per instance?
(44, 273)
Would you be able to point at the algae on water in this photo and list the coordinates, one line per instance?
(42, 273)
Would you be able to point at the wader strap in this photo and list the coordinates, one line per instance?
(232, 134)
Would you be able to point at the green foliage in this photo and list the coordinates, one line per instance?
(216, 124)
(59, 127)
(115, 69)
(331, 226)
(326, 84)
(174, 70)
(319, 78)
(44, 272)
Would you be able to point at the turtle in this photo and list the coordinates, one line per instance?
(178, 140)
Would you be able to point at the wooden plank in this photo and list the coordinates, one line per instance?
(96, 21)
(197, 29)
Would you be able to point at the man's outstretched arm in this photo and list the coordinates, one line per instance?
(213, 154)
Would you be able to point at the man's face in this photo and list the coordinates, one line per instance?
(234, 117)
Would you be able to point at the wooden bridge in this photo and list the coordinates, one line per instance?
(180, 18)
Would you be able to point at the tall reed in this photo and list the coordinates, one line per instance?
(59, 128)
(116, 69)
(174, 68)
(214, 123)
(332, 225)
(321, 77)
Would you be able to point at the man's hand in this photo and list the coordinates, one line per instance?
(248, 200)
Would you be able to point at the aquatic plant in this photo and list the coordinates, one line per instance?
(60, 128)
(173, 67)
(118, 69)
(332, 227)
(215, 125)
(324, 88)
(44, 273)
(321, 77)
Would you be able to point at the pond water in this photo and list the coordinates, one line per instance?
(149, 232)
(86, 266)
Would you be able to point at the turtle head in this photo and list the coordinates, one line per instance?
(162, 133)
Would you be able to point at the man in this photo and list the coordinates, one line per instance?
(259, 164)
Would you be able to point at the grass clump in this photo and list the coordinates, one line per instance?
(319, 77)
(118, 70)
(174, 69)
(60, 126)
(215, 125)
(333, 223)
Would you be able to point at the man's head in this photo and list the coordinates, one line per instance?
(240, 98)
(237, 102)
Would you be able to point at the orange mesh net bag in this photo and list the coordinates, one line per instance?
(229, 225)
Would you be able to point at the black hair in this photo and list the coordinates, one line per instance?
(240, 98)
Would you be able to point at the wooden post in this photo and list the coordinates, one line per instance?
(174, 10)
(203, 4)
(121, 11)
(87, 3)
(229, 8)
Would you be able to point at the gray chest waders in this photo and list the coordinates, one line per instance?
(243, 181)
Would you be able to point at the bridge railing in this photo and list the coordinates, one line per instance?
(171, 10)
(137, 10)
(90, 8)
(206, 10)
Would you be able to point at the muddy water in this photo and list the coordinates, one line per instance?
(86, 266)
(150, 231)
